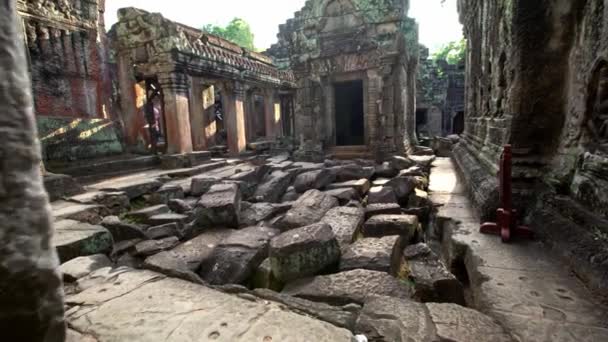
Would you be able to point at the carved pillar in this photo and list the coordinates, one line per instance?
(128, 102)
(177, 112)
(272, 113)
(31, 294)
(197, 115)
(235, 117)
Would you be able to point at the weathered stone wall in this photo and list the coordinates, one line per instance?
(67, 53)
(537, 79)
(31, 295)
(67, 139)
(331, 41)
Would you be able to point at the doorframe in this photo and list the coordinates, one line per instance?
(328, 84)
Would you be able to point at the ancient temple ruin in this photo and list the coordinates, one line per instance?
(354, 65)
(187, 67)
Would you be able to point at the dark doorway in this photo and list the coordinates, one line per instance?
(350, 129)
(422, 121)
(458, 124)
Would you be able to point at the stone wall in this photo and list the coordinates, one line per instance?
(331, 41)
(537, 79)
(68, 58)
(67, 139)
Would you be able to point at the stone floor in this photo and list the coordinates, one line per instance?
(267, 249)
(521, 284)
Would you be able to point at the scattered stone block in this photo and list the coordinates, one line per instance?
(220, 206)
(344, 195)
(386, 170)
(291, 195)
(107, 311)
(200, 185)
(116, 202)
(303, 252)
(351, 172)
(179, 206)
(273, 187)
(254, 213)
(355, 286)
(166, 193)
(381, 194)
(344, 317)
(431, 280)
(406, 226)
(361, 185)
(91, 213)
(376, 254)
(143, 215)
(308, 209)
(133, 188)
(73, 239)
(236, 258)
(163, 231)
(166, 263)
(150, 247)
(82, 266)
(382, 209)
(313, 180)
(345, 222)
(404, 320)
(412, 171)
(264, 278)
(122, 231)
(162, 219)
(419, 198)
(402, 163)
(60, 186)
(402, 187)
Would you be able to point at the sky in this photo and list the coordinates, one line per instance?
(438, 23)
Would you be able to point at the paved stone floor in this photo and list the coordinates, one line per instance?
(521, 284)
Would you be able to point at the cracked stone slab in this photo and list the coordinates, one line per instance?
(73, 239)
(142, 306)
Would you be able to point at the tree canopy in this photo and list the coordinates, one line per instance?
(452, 52)
(237, 31)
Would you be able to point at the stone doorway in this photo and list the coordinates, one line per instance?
(422, 122)
(458, 123)
(350, 126)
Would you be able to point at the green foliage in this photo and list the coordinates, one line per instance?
(452, 52)
(237, 31)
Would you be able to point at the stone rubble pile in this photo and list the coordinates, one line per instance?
(333, 243)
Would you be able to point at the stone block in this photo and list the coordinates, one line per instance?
(303, 252)
(83, 266)
(361, 185)
(406, 226)
(351, 172)
(254, 213)
(151, 247)
(122, 231)
(144, 214)
(402, 163)
(381, 194)
(356, 286)
(344, 195)
(273, 187)
(166, 193)
(386, 170)
(73, 239)
(431, 280)
(236, 258)
(220, 207)
(382, 209)
(313, 180)
(202, 184)
(163, 231)
(345, 222)
(308, 209)
(376, 254)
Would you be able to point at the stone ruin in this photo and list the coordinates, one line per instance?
(354, 64)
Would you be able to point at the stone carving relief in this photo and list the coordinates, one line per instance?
(597, 117)
(54, 8)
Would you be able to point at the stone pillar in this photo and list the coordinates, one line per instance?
(177, 112)
(209, 125)
(234, 117)
(31, 295)
(272, 113)
(197, 115)
(128, 101)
